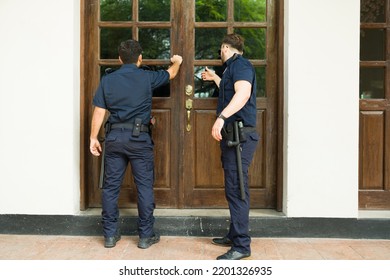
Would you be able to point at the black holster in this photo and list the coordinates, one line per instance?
(137, 127)
(228, 131)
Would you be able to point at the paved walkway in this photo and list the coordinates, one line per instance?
(46, 247)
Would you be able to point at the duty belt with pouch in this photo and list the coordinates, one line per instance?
(228, 131)
(137, 127)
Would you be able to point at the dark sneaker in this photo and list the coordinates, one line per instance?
(233, 255)
(110, 242)
(222, 241)
(146, 242)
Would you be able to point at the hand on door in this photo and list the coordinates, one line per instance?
(209, 75)
(174, 69)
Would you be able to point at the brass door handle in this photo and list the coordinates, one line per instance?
(188, 127)
(189, 108)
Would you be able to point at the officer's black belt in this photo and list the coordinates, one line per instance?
(144, 128)
(248, 129)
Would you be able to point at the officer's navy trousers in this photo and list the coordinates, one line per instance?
(239, 209)
(121, 149)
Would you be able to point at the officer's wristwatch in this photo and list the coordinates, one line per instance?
(222, 117)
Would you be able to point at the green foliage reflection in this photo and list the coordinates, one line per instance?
(116, 10)
(210, 10)
(154, 10)
(110, 38)
(250, 10)
(156, 43)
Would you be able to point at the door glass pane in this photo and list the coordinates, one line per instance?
(110, 38)
(208, 42)
(154, 10)
(372, 10)
(205, 89)
(372, 83)
(372, 44)
(156, 43)
(251, 10)
(115, 10)
(210, 10)
(255, 42)
(260, 81)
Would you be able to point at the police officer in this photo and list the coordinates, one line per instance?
(236, 102)
(127, 94)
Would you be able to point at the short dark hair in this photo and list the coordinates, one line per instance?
(129, 51)
(235, 41)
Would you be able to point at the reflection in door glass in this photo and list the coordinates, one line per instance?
(154, 10)
(255, 42)
(250, 10)
(210, 10)
(110, 38)
(156, 43)
(372, 83)
(205, 89)
(260, 81)
(372, 10)
(208, 42)
(116, 10)
(372, 44)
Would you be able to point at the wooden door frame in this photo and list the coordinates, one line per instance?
(374, 193)
(280, 106)
(86, 24)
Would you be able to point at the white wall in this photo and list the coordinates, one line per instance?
(39, 106)
(321, 108)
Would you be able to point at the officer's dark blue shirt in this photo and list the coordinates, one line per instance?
(127, 93)
(238, 68)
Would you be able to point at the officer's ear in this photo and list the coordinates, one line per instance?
(120, 59)
(139, 62)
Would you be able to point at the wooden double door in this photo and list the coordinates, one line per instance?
(188, 171)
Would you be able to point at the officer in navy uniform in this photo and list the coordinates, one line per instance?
(236, 102)
(127, 94)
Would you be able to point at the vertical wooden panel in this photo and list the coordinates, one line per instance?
(207, 152)
(371, 150)
(162, 157)
(256, 170)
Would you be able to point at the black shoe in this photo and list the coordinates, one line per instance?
(110, 242)
(233, 255)
(146, 242)
(222, 241)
